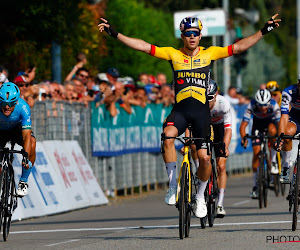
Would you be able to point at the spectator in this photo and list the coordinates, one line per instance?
(83, 75)
(79, 89)
(263, 86)
(3, 75)
(117, 96)
(231, 96)
(166, 96)
(242, 99)
(55, 91)
(81, 61)
(91, 89)
(71, 95)
(104, 90)
(111, 76)
(161, 78)
(141, 97)
(44, 91)
(21, 82)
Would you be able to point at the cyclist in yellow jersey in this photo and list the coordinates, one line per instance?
(191, 74)
(273, 87)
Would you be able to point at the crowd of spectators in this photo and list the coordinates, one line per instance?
(107, 88)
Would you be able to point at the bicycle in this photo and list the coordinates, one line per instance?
(211, 193)
(263, 169)
(184, 198)
(293, 196)
(8, 197)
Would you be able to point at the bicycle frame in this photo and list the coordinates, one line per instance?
(187, 161)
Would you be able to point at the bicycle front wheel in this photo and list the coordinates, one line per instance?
(9, 203)
(296, 197)
(260, 181)
(266, 181)
(2, 192)
(182, 201)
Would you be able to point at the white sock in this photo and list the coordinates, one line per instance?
(273, 155)
(201, 189)
(286, 158)
(171, 171)
(221, 196)
(254, 178)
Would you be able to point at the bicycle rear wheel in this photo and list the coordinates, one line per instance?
(296, 197)
(2, 191)
(9, 203)
(182, 201)
(276, 184)
(260, 181)
(211, 211)
(213, 192)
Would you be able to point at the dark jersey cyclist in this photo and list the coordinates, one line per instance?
(15, 125)
(191, 67)
(289, 125)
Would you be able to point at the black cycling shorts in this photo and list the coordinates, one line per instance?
(196, 115)
(260, 125)
(12, 135)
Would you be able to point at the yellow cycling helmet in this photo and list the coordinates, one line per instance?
(272, 86)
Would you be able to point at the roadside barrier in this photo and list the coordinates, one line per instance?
(123, 151)
(61, 180)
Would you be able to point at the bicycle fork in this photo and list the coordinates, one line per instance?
(185, 160)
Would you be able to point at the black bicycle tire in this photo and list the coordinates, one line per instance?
(181, 201)
(188, 209)
(296, 197)
(1, 197)
(212, 199)
(10, 200)
(282, 188)
(266, 175)
(260, 181)
(276, 184)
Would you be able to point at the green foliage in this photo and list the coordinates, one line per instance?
(153, 26)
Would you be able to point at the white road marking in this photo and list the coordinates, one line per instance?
(241, 202)
(55, 244)
(144, 227)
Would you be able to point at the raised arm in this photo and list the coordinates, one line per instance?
(249, 41)
(133, 43)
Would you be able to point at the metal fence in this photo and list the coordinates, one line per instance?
(129, 172)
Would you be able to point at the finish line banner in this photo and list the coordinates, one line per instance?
(138, 132)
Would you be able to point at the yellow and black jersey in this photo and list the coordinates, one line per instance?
(191, 74)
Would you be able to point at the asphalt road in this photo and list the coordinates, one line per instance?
(145, 222)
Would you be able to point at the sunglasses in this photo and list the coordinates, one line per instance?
(23, 85)
(210, 97)
(10, 104)
(189, 33)
(263, 105)
(85, 76)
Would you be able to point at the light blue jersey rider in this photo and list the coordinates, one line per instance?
(20, 115)
(15, 126)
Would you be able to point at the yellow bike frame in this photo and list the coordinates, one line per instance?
(279, 162)
(185, 160)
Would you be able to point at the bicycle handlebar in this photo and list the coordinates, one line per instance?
(292, 137)
(189, 141)
(259, 136)
(13, 151)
